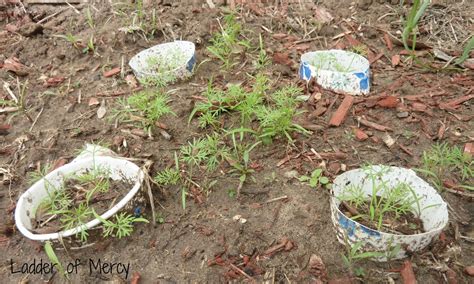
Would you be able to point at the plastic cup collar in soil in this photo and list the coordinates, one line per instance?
(337, 70)
(30, 200)
(139, 63)
(434, 218)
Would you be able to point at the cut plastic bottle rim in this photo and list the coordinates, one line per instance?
(30, 200)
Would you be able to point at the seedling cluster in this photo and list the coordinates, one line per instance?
(144, 108)
(443, 162)
(227, 42)
(386, 204)
(80, 198)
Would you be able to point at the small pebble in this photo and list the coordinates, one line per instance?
(403, 114)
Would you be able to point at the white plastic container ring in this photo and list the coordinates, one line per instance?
(31, 199)
(434, 215)
(337, 70)
(162, 52)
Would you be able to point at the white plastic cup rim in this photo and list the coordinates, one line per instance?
(29, 200)
(134, 61)
(434, 218)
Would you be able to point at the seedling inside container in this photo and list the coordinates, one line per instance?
(160, 68)
(80, 198)
(392, 208)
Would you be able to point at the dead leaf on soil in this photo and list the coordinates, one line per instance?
(388, 102)
(101, 111)
(135, 278)
(469, 270)
(407, 273)
(388, 42)
(322, 15)
(14, 65)
(395, 60)
(317, 268)
(93, 102)
(282, 58)
(131, 81)
(53, 81)
(469, 149)
(112, 72)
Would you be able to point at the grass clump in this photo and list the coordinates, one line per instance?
(227, 41)
(276, 120)
(411, 23)
(442, 162)
(145, 108)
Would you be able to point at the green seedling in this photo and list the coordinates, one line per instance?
(53, 258)
(145, 108)
(40, 173)
(226, 42)
(360, 49)
(262, 60)
(89, 18)
(316, 179)
(90, 47)
(73, 207)
(327, 61)
(209, 151)
(411, 23)
(17, 101)
(167, 177)
(76, 217)
(74, 41)
(96, 180)
(232, 193)
(239, 158)
(159, 218)
(355, 254)
(277, 120)
(397, 199)
(216, 103)
(122, 227)
(443, 161)
(467, 49)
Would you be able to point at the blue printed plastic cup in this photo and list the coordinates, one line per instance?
(337, 70)
(430, 208)
(177, 60)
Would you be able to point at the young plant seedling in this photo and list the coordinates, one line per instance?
(277, 120)
(442, 162)
(17, 101)
(226, 42)
(48, 249)
(262, 60)
(73, 40)
(385, 200)
(355, 254)
(411, 23)
(161, 68)
(316, 179)
(239, 158)
(144, 108)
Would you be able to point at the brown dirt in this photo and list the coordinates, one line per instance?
(205, 243)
